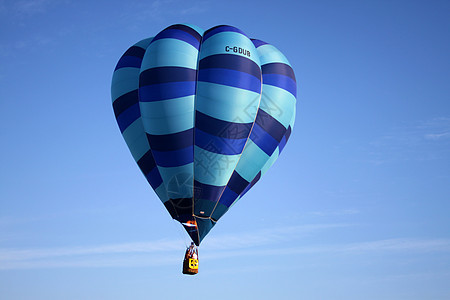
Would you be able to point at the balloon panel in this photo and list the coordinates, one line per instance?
(204, 115)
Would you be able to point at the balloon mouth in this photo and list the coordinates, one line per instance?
(190, 224)
(192, 229)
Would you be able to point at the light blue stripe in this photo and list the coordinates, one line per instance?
(216, 45)
(169, 124)
(271, 161)
(169, 107)
(168, 116)
(178, 180)
(133, 131)
(170, 52)
(227, 103)
(269, 54)
(251, 162)
(124, 80)
(293, 117)
(144, 43)
(212, 168)
(278, 103)
(162, 193)
(136, 139)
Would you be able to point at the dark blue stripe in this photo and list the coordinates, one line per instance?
(222, 128)
(128, 116)
(270, 125)
(166, 74)
(258, 43)
(174, 158)
(124, 102)
(146, 163)
(285, 139)
(254, 181)
(221, 28)
(163, 91)
(230, 78)
(179, 35)
(288, 133)
(187, 29)
(135, 51)
(128, 62)
(206, 191)
(247, 188)
(170, 142)
(228, 197)
(154, 178)
(263, 140)
(237, 183)
(278, 68)
(232, 62)
(219, 145)
(281, 81)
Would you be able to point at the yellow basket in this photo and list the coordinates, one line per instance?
(190, 266)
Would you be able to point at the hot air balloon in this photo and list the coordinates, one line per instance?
(205, 114)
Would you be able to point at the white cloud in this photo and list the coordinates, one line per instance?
(168, 252)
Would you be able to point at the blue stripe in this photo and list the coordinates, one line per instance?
(146, 163)
(124, 102)
(174, 158)
(221, 28)
(281, 81)
(270, 125)
(282, 143)
(129, 62)
(232, 62)
(230, 78)
(179, 35)
(212, 168)
(154, 178)
(187, 29)
(258, 43)
(128, 116)
(221, 128)
(263, 140)
(166, 74)
(163, 91)
(285, 139)
(278, 68)
(170, 142)
(228, 197)
(254, 181)
(218, 145)
(237, 183)
(206, 191)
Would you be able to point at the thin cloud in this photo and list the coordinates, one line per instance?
(167, 252)
(423, 140)
(341, 212)
(115, 253)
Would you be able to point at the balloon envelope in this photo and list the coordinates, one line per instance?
(204, 114)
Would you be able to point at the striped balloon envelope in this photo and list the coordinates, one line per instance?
(204, 114)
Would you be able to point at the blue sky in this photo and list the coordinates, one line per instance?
(356, 207)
